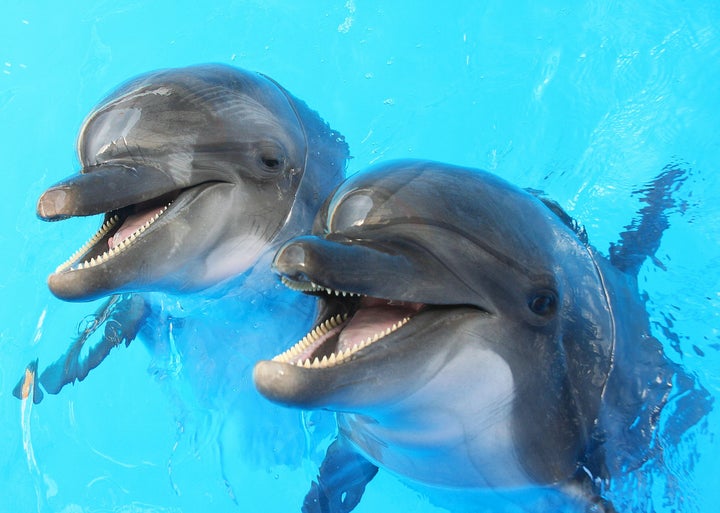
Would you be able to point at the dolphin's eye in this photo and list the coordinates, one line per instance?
(271, 157)
(543, 303)
(271, 162)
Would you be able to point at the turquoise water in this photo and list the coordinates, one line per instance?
(585, 100)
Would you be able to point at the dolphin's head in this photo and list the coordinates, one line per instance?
(196, 170)
(449, 290)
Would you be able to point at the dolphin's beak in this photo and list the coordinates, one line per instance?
(102, 189)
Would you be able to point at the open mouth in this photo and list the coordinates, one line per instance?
(350, 323)
(120, 229)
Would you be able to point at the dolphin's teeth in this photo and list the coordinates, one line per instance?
(297, 285)
(311, 286)
(291, 356)
(106, 227)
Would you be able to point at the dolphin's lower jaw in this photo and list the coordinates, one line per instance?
(353, 330)
(107, 261)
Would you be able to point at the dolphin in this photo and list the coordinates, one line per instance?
(199, 173)
(469, 338)
(195, 171)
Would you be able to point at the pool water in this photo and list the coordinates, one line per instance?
(587, 101)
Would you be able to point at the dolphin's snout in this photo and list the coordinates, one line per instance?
(53, 204)
(291, 260)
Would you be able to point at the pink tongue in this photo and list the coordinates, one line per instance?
(372, 320)
(130, 225)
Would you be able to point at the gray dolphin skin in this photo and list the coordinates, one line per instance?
(196, 171)
(469, 338)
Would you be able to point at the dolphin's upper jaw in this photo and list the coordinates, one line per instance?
(348, 324)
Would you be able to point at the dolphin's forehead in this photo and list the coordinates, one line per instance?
(214, 109)
(421, 192)
(405, 198)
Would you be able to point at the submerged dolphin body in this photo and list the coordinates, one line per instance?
(201, 173)
(470, 338)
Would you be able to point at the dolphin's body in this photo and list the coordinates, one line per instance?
(200, 173)
(470, 338)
